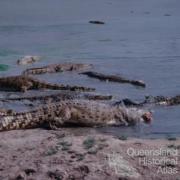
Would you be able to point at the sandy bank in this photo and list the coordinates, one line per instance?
(47, 154)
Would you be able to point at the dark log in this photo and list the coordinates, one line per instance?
(96, 22)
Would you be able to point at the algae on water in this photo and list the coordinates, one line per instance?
(4, 67)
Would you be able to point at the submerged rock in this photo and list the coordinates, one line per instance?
(96, 22)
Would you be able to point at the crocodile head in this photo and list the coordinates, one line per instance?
(132, 116)
(147, 117)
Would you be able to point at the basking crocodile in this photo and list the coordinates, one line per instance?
(24, 83)
(113, 78)
(153, 100)
(59, 97)
(28, 60)
(76, 112)
(54, 68)
(162, 100)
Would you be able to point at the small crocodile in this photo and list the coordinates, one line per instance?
(28, 60)
(54, 68)
(162, 100)
(76, 112)
(24, 83)
(113, 78)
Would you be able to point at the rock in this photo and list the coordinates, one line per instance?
(55, 175)
(96, 22)
(167, 14)
(29, 171)
(21, 176)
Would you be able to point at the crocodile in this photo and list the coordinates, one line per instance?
(54, 68)
(59, 97)
(152, 100)
(75, 112)
(24, 83)
(162, 100)
(28, 60)
(113, 78)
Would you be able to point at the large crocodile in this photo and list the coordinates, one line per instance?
(24, 83)
(76, 112)
(54, 68)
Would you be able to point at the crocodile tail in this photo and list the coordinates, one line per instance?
(20, 121)
(9, 123)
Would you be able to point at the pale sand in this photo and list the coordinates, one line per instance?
(46, 154)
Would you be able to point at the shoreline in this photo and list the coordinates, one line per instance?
(63, 154)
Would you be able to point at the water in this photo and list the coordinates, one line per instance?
(140, 40)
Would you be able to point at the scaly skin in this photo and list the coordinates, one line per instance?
(54, 68)
(6, 112)
(77, 112)
(60, 96)
(24, 83)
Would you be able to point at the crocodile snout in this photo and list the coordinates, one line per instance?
(147, 117)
